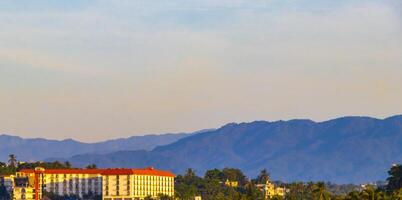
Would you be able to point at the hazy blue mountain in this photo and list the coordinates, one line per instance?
(39, 149)
(349, 149)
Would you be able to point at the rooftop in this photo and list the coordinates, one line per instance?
(117, 171)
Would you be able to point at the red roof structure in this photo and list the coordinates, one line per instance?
(146, 171)
(28, 171)
(117, 171)
(66, 171)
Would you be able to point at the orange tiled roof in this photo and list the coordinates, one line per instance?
(119, 171)
(66, 171)
(146, 171)
(28, 171)
(73, 171)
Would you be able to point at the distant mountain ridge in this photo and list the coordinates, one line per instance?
(343, 150)
(39, 149)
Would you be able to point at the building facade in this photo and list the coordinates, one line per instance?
(133, 184)
(22, 193)
(231, 183)
(66, 181)
(24, 187)
(271, 190)
(111, 184)
(78, 182)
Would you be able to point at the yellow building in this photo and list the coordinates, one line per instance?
(112, 184)
(231, 183)
(132, 184)
(66, 181)
(24, 186)
(271, 190)
(23, 193)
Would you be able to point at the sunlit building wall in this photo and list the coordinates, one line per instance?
(131, 184)
(111, 184)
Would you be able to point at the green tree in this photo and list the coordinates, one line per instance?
(92, 166)
(148, 198)
(296, 191)
(319, 191)
(252, 192)
(397, 194)
(12, 160)
(234, 174)
(395, 178)
(263, 177)
(189, 173)
(211, 188)
(214, 174)
(369, 193)
(185, 192)
(164, 197)
(354, 195)
(67, 164)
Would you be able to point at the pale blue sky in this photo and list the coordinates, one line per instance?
(93, 70)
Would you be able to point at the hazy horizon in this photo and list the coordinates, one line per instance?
(93, 70)
(190, 131)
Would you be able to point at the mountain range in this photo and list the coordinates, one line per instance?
(39, 149)
(343, 150)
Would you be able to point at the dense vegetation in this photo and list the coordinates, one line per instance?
(13, 165)
(211, 187)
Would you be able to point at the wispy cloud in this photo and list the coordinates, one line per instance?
(154, 66)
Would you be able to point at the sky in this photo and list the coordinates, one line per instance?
(92, 70)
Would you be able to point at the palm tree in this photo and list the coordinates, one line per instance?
(92, 166)
(369, 193)
(320, 190)
(67, 164)
(395, 178)
(12, 160)
(397, 194)
(354, 195)
(190, 173)
(263, 177)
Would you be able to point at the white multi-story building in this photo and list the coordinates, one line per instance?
(111, 184)
(132, 184)
(70, 181)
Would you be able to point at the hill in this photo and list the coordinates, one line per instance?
(39, 148)
(344, 150)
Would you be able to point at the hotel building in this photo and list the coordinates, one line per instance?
(132, 184)
(111, 184)
(64, 181)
